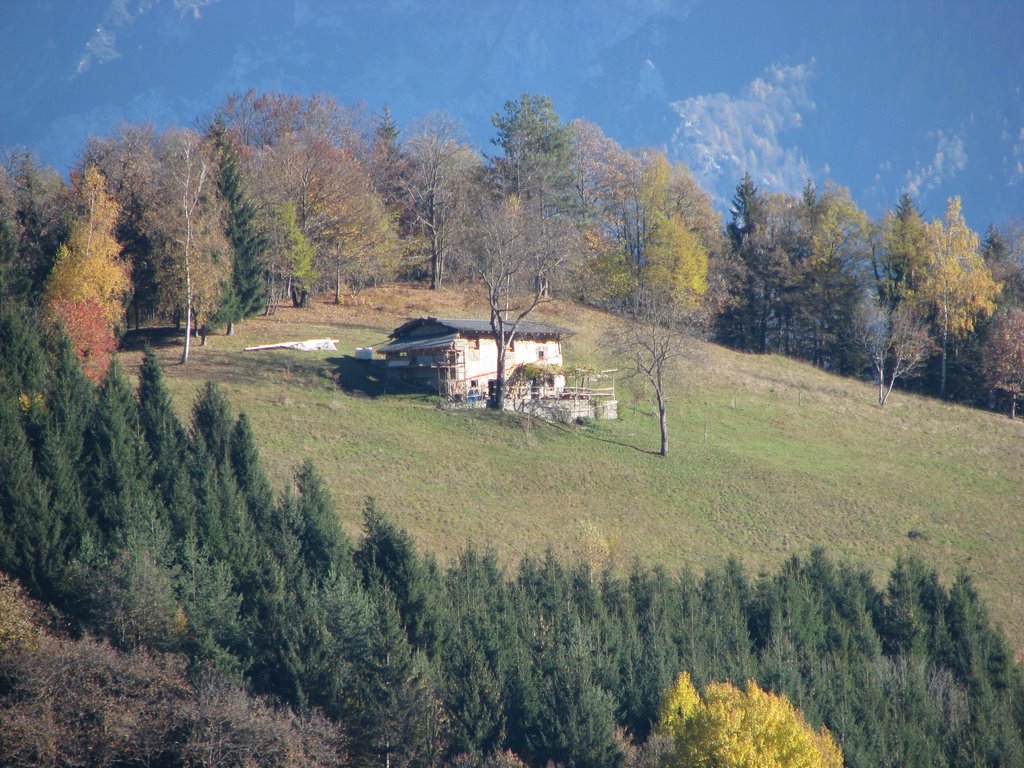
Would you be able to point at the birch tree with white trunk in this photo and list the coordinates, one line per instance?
(895, 340)
(189, 226)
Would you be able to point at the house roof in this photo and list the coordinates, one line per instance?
(468, 327)
(430, 341)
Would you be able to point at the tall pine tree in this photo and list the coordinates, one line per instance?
(244, 295)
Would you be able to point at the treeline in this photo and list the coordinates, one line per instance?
(277, 197)
(148, 537)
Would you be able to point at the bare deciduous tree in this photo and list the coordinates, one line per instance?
(1003, 361)
(895, 340)
(651, 341)
(515, 252)
(440, 168)
(187, 224)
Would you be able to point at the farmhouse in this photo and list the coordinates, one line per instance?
(459, 360)
(460, 357)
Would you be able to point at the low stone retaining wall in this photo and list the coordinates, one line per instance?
(566, 410)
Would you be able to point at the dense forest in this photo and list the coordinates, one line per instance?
(162, 604)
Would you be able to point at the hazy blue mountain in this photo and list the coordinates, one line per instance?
(919, 95)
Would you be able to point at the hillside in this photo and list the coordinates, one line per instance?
(769, 456)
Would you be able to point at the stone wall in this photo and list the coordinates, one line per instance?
(566, 410)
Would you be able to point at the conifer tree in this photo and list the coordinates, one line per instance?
(758, 275)
(212, 422)
(323, 548)
(70, 398)
(475, 697)
(65, 525)
(536, 149)
(8, 255)
(116, 475)
(276, 619)
(24, 508)
(252, 482)
(395, 690)
(387, 558)
(343, 645)
(244, 295)
(900, 260)
(211, 519)
(132, 596)
(212, 608)
(167, 445)
(23, 364)
(220, 508)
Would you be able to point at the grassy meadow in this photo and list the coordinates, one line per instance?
(769, 456)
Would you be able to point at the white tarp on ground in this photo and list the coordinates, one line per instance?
(310, 345)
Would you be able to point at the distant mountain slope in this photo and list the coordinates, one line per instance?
(883, 98)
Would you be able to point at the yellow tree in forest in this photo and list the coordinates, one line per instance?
(89, 265)
(89, 277)
(958, 286)
(658, 248)
(731, 728)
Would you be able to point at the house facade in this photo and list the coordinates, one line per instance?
(459, 358)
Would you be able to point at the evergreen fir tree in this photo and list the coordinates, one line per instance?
(321, 539)
(276, 619)
(340, 651)
(116, 474)
(475, 698)
(23, 364)
(249, 475)
(9, 276)
(24, 508)
(244, 296)
(213, 608)
(387, 558)
(70, 399)
(212, 422)
(167, 445)
(66, 523)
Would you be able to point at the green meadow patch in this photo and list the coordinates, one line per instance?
(769, 456)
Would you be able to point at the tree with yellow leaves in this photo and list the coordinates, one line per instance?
(89, 275)
(957, 286)
(731, 728)
(89, 265)
(659, 249)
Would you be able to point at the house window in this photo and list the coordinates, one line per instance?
(474, 343)
(540, 352)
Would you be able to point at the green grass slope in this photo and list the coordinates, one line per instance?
(769, 456)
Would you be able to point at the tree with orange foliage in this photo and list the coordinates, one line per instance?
(88, 283)
(91, 337)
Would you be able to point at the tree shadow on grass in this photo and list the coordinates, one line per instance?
(163, 336)
(366, 378)
(589, 434)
